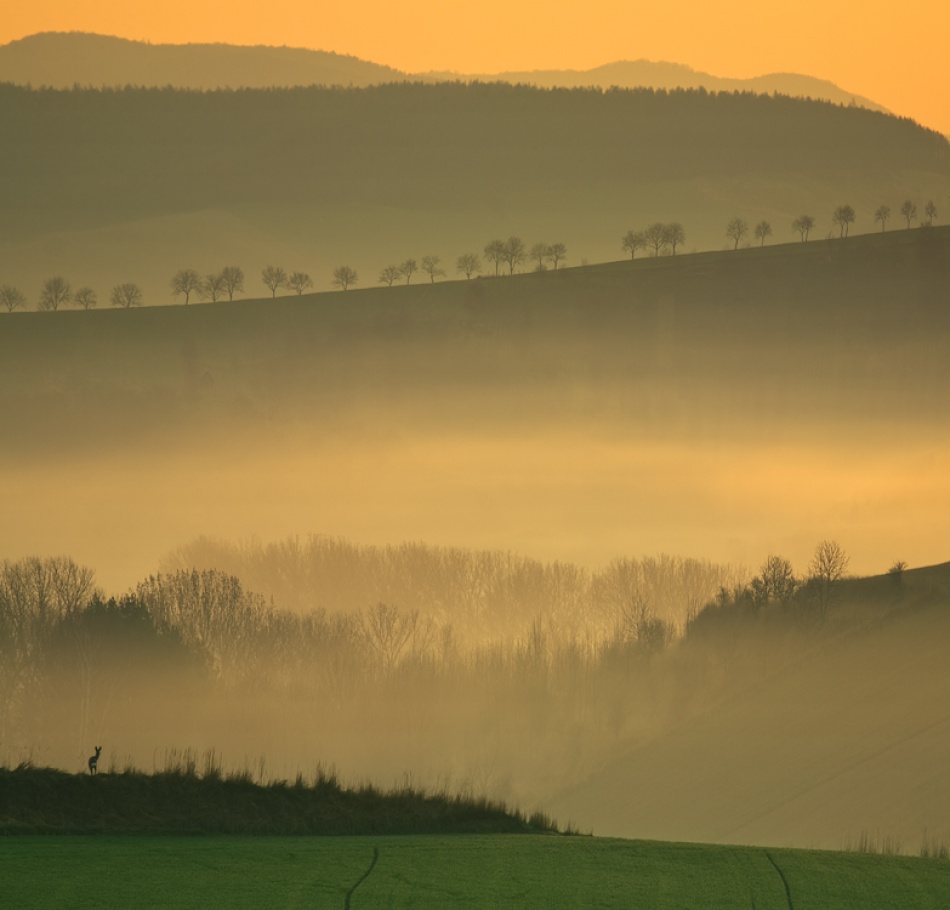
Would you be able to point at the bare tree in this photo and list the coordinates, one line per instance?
(556, 252)
(843, 216)
(930, 210)
(826, 569)
(468, 264)
(388, 632)
(212, 287)
(11, 298)
(909, 211)
(126, 295)
(56, 293)
(300, 282)
(85, 298)
(274, 277)
(233, 279)
(186, 282)
(495, 253)
(389, 274)
(633, 241)
(762, 230)
(432, 266)
(514, 253)
(673, 235)
(736, 229)
(539, 252)
(775, 582)
(804, 224)
(882, 214)
(408, 269)
(655, 236)
(343, 277)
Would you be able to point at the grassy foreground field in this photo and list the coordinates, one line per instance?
(458, 871)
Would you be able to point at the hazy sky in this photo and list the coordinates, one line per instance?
(893, 53)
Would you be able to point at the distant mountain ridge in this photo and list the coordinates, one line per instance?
(64, 59)
(663, 75)
(61, 60)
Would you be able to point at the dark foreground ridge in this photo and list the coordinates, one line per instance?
(49, 801)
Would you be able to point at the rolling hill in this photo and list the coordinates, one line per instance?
(151, 181)
(65, 59)
(727, 401)
(849, 738)
(669, 76)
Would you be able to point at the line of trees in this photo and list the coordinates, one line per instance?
(660, 238)
(491, 650)
(58, 293)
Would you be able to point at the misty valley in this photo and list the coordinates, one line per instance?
(644, 533)
(490, 674)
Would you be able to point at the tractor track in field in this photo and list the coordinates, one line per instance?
(781, 875)
(361, 879)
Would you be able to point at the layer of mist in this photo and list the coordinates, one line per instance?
(787, 709)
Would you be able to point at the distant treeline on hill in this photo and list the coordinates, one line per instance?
(484, 659)
(137, 150)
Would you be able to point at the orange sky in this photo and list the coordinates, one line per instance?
(894, 53)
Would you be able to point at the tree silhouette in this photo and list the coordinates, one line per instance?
(843, 216)
(408, 268)
(826, 569)
(930, 210)
(909, 211)
(85, 298)
(126, 295)
(389, 274)
(274, 277)
(468, 264)
(343, 277)
(775, 582)
(495, 253)
(300, 282)
(633, 241)
(737, 229)
(233, 279)
(556, 252)
(186, 282)
(804, 225)
(11, 298)
(539, 253)
(762, 230)
(56, 293)
(673, 235)
(882, 214)
(212, 287)
(432, 266)
(655, 236)
(514, 253)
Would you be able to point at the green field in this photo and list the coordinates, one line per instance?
(440, 872)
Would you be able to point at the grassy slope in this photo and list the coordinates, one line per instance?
(849, 738)
(47, 801)
(453, 872)
(817, 334)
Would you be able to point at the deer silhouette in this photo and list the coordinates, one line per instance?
(94, 761)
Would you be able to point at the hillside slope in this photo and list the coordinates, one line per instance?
(153, 181)
(852, 738)
(65, 59)
(663, 75)
(712, 405)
